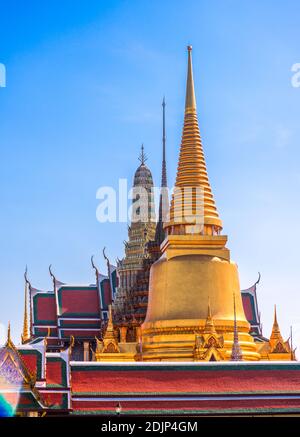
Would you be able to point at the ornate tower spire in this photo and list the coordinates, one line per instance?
(192, 188)
(163, 199)
(143, 157)
(276, 334)
(25, 334)
(236, 354)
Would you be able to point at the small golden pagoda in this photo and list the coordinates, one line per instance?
(109, 349)
(195, 262)
(277, 348)
(209, 346)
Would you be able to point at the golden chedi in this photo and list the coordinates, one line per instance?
(195, 265)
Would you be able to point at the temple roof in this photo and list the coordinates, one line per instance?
(196, 388)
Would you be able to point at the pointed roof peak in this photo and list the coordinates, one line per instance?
(209, 327)
(275, 334)
(143, 157)
(200, 216)
(8, 340)
(275, 316)
(190, 98)
(109, 333)
(208, 308)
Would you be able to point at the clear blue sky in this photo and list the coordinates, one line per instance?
(85, 82)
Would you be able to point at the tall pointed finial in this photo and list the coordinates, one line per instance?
(291, 341)
(275, 334)
(208, 309)
(209, 324)
(275, 323)
(25, 335)
(192, 185)
(109, 333)
(190, 98)
(143, 157)
(8, 341)
(236, 353)
(164, 165)
(276, 340)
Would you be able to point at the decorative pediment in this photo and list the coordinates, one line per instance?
(13, 371)
(110, 347)
(209, 347)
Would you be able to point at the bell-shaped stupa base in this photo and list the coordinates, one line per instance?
(181, 283)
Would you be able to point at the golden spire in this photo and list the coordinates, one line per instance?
(209, 324)
(190, 99)
(25, 335)
(276, 334)
(192, 188)
(109, 333)
(8, 341)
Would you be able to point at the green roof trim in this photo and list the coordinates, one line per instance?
(36, 320)
(175, 368)
(181, 412)
(80, 314)
(39, 359)
(63, 371)
(179, 393)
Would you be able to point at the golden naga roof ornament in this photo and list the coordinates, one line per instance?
(25, 334)
(192, 199)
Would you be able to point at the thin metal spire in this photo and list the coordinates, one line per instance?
(163, 198)
(164, 164)
(236, 354)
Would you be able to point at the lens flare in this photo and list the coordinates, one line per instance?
(6, 409)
